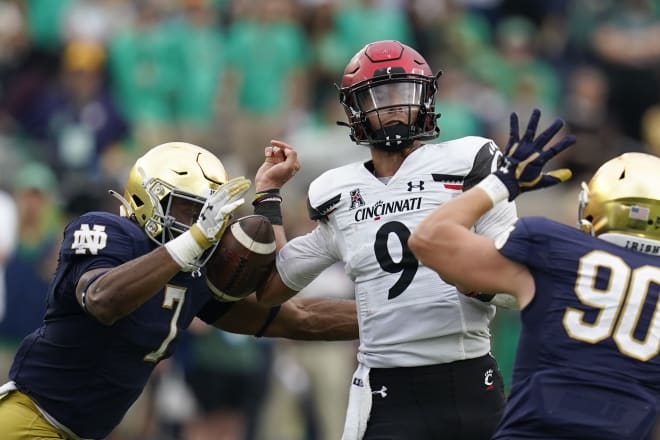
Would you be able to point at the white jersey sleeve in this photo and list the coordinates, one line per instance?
(305, 257)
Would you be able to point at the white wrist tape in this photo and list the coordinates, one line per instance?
(184, 250)
(495, 188)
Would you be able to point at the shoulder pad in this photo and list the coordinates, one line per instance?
(486, 160)
(324, 194)
(322, 211)
(462, 162)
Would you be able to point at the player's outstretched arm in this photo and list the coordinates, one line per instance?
(300, 318)
(109, 294)
(444, 241)
(280, 165)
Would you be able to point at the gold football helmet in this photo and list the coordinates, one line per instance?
(623, 197)
(165, 172)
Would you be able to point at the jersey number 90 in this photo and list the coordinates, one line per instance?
(620, 302)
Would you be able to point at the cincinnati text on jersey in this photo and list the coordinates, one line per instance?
(381, 208)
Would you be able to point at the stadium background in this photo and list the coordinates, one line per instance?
(88, 85)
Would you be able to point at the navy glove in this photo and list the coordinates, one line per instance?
(521, 169)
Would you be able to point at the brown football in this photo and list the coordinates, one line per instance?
(243, 258)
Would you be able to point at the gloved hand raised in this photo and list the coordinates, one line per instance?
(187, 248)
(521, 169)
(216, 212)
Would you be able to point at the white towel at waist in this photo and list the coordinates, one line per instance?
(359, 405)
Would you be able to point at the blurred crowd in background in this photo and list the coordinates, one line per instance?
(86, 86)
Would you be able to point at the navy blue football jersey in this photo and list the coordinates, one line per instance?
(587, 365)
(84, 374)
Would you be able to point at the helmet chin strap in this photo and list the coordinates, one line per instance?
(394, 137)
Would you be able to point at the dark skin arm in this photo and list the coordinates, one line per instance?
(302, 318)
(124, 288)
(280, 165)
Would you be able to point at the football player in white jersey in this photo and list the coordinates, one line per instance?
(425, 369)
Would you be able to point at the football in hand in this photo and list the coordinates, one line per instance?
(243, 258)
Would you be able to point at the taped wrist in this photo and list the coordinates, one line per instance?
(184, 250)
(201, 239)
(269, 204)
(494, 188)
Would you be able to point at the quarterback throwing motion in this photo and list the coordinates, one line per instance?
(425, 370)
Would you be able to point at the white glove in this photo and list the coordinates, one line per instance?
(212, 221)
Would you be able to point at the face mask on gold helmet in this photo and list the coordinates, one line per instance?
(164, 173)
(623, 198)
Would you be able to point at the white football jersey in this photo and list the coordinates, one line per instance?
(408, 316)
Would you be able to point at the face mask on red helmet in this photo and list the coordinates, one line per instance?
(388, 93)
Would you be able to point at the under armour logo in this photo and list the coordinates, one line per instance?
(382, 392)
(358, 382)
(488, 379)
(92, 240)
(420, 186)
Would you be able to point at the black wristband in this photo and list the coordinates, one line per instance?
(271, 209)
(268, 203)
(271, 316)
(269, 195)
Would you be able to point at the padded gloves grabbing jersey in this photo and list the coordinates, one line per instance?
(521, 169)
(187, 248)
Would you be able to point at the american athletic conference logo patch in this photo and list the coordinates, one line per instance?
(356, 199)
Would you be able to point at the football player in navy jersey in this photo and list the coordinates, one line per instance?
(127, 285)
(587, 365)
(425, 370)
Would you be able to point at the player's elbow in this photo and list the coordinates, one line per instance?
(102, 308)
(107, 304)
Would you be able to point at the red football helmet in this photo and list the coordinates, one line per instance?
(388, 93)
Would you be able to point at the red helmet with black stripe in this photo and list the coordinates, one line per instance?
(384, 79)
